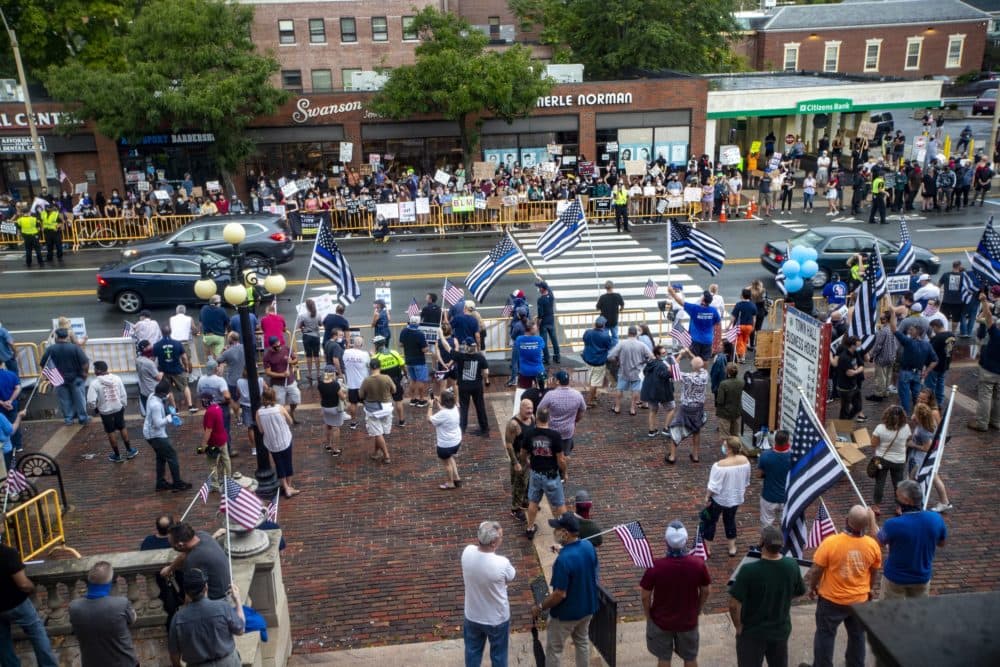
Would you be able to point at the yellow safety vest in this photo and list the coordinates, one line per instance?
(621, 197)
(389, 360)
(28, 225)
(878, 186)
(50, 220)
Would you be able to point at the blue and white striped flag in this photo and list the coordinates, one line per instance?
(564, 233)
(970, 287)
(906, 255)
(688, 244)
(332, 264)
(504, 256)
(986, 259)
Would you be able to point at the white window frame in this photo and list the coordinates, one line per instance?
(784, 58)
(281, 30)
(415, 36)
(961, 51)
(877, 43)
(910, 41)
(836, 62)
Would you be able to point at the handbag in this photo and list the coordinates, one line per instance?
(875, 463)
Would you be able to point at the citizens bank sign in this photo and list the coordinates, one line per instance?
(825, 106)
(584, 100)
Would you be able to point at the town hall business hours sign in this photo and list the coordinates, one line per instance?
(804, 363)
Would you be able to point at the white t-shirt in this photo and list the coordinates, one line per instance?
(896, 453)
(180, 327)
(355, 367)
(928, 291)
(448, 426)
(486, 577)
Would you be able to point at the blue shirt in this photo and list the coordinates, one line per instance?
(6, 345)
(234, 323)
(835, 293)
(703, 321)
(575, 572)
(529, 355)
(8, 380)
(744, 312)
(6, 431)
(775, 467)
(464, 326)
(596, 345)
(912, 539)
(989, 358)
(547, 308)
(916, 353)
(213, 320)
(168, 356)
(152, 542)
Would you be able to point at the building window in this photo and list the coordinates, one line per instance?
(380, 29)
(322, 81)
(791, 62)
(494, 28)
(831, 57)
(956, 43)
(409, 32)
(873, 49)
(348, 29)
(317, 31)
(346, 75)
(913, 47)
(291, 79)
(286, 31)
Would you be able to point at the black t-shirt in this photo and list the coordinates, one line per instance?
(334, 321)
(10, 564)
(943, 344)
(431, 314)
(518, 444)
(610, 304)
(414, 342)
(535, 396)
(846, 361)
(471, 366)
(543, 445)
(329, 394)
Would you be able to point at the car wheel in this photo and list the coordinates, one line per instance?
(128, 301)
(821, 278)
(257, 255)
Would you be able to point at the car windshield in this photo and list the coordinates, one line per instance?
(989, 94)
(214, 259)
(810, 239)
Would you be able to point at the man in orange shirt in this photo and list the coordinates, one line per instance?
(842, 575)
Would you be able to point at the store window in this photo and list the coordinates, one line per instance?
(956, 43)
(286, 31)
(913, 48)
(317, 31)
(347, 75)
(409, 31)
(791, 62)
(831, 57)
(291, 79)
(529, 149)
(380, 29)
(348, 29)
(494, 28)
(873, 49)
(322, 81)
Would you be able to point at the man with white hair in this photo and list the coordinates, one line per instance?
(183, 328)
(101, 621)
(926, 290)
(355, 371)
(487, 610)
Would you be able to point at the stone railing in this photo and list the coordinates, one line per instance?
(59, 582)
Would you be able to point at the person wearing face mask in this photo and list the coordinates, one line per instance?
(912, 536)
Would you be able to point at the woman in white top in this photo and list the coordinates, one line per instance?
(735, 188)
(447, 426)
(274, 421)
(808, 192)
(727, 482)
(822, 168)
(889, 444)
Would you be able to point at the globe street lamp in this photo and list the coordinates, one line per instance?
(245, 272)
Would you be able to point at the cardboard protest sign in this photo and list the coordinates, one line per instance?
(443, 177)
(635, 167)
(196, 191)
(346, 151)
(483, 171)
(866, 130)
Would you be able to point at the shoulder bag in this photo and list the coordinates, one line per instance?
(876, 462)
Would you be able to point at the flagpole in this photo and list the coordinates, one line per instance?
(603, 532)
(195, 499)
(277, 497)
(525, 256)
(833, 450)
(229, 535)
(590, 240)
(305, 283)
(6, 493)
(941, 443)
(32, 394)
(669, 250)
(444, 302)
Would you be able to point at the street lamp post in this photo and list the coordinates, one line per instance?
(242, 271)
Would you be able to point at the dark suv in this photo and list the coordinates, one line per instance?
(266, 236)
(884, 126)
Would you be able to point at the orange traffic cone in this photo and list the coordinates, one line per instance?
(722, 213)
(750, 207)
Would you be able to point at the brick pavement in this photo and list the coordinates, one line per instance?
(373, 550)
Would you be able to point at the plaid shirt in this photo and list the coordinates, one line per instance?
(884, 348)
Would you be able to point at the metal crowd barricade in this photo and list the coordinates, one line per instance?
(165, 224)
(27, 355)
(107, 232)
(35, 526)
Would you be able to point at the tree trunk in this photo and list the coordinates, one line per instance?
(469, 134)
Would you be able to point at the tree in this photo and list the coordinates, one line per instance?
(614, 39)
(188, 64)
(457, 77)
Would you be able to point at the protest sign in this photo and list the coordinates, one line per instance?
(867, 129)
(729, 155)
(144, 186)
(196, 192)
(554, 149)
(213, 186)
(635, 167)
(77, 324)
(462, 204)
(611, 147)
(385, 294)
(388, 211)
(374, 159)
(81, 188)
(289, 189)
(407, 211)
(586, 168)
(692, 195)
(423, 206)
(483, 171)
(443, 177)
(479, 202)
(346, 151)
(304, 184)
(162, 195)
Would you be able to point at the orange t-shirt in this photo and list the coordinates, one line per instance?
(847, 562)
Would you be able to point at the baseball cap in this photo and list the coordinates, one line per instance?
(582, 496)
(469, 340)
(329, 368)
(567, 521)
(194, 581)
(62, 333)
(517, 294)
(272, 340)
(917, 307)
(380, 302)
(601, 321)
(676, 535)
(211, 365)
(923, 277)
(562, 377)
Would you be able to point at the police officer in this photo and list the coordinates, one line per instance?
(620, 198)
(52, 229)
(878, 198)
(29, 226)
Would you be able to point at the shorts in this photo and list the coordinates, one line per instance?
(703, 350)
(525, 381)
(418, 372)
(445, 453)
(400, 390)
(665, 405)
(283, 462)
(629, 385)
(333, 416)
(552, 487)
(770, 512)
(597, 375)
(567, 445)
(178, 381)
(213, 343)
(953, 311)
(234, 392)
(378, 425)
(246, 415)
(288, 394)
(352, 396)
(114, 421)
(310, 345)
(663, 644)
(764, 198)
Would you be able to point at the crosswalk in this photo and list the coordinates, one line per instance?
(577, 276)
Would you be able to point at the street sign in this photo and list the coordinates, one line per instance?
(804, 363)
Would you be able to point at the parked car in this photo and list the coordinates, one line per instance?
(884, 126)
(983, 81)
(986, 103)
(835, 245)
(267, 237)
(156, 280)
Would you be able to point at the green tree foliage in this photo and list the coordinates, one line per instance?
(188, 64)
(612, 39)
(455, 75)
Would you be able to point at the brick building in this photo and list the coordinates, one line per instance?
(911, 39)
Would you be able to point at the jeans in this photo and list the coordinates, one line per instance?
(829, 616)
(555, 640)
(73, 401)
(25, 616)
(518, 488)
(909, 386)
(476, 634)
(988, 410)
(896, 470)
(11, 415)
(751, 651)
(515, 362)
(548, 331)
(613, 332)
(165, 456)
(968, 319)
(935, 382)
(807, 200)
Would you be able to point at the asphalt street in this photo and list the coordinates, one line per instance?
(412, 265)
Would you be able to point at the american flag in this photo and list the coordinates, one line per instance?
(650, 290)
(635, 543)
(564, 233)
(62, 176)
(52, 373)
(732, 333)
(331, 263)
(128, 330)
(272, 508)
(245, 505)
(675, 368)
(508, 310)
(204, 491)
(932, 460)
(815, 468)
(16, 482)
(413, 309)
(865, 315)
(986, 259)
(451, 293)
(699, 546)
(906, 256)
(688, 244)
(504, 256)
(681, 335)
(822, 527)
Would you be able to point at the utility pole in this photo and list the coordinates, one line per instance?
(32, 128)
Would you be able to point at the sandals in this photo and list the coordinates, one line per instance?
(616, 411)
(693, 459)
(293, 492)
(334, 452)
(669, 461)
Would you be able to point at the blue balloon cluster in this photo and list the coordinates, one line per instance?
(799, 267)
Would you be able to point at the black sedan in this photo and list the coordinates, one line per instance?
(160, 280)
(835, 245)
(266, 237)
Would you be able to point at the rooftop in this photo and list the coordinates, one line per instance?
(767, 80)
(869, 12)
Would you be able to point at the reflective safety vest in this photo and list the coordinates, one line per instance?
(621, 197)
(50, 220)
(389, 360)
(878, 186)
(28, 225)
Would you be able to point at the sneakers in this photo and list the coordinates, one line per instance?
(421, 404)
(115, 458)
(192, 409)
(942, 507)
(975, 426)
(414, 403)
(353, 426)
(163, 486)
(253, 452)
(131, 453)
(181, 486)
(401, 423)
(651, 434)
(665, 433)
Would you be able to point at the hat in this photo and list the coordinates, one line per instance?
(469, 340)
(566, 521)
(62, 333)
(329, 368)
(272, 340)
(676, 535)
(562, 377)
(782, 446)
(582, 496)
(542, 284)
(194, 581)
(414, 319)
(601, 321)
(917, 307)
(517, 294)
(923, 277)
(995, 291)
(215, 299)
(378, 340)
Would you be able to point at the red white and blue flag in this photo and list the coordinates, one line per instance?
(52, 373)
(699, 546)
(649, 291)
(241, 505)
(681, 335)
(452, 294)
(16, 482)
(822, 527)
(413, 309)
(634, 540)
